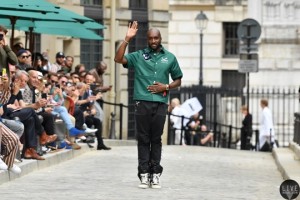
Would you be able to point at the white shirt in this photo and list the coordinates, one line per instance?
(266, 126)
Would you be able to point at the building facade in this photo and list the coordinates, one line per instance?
(278, 45)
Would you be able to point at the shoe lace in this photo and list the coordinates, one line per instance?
(144, 178)
(155, 179)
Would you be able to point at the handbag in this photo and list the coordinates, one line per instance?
(268, 145)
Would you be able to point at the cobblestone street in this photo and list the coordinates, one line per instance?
(189, 173)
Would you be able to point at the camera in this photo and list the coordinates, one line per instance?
(94, 88)
(1, 36)
(57, 85)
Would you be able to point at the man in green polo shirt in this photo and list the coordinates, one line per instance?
(152, 67)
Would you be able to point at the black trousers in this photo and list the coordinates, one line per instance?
(32, 126)
(150, 118)
(48, 122)
(90, 121)
(78, 114)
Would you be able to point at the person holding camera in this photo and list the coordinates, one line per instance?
(7, 56)
(85, 100)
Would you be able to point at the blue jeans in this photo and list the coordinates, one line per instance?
(16, 126)
(64, 115)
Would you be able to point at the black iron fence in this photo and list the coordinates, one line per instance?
(297, 128)
(221, 111)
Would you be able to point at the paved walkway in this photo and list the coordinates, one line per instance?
(189, 173)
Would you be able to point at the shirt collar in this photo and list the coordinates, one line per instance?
(149, 50)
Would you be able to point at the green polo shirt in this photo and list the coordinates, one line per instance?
(150, 67)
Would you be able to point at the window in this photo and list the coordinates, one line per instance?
(138, 4)
(91, 52)
(37, 42)
(231, 41)
(91, 2)
(233, 79)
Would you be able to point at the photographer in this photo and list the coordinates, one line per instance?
(7, 56)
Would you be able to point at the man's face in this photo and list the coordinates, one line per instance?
(60, 60)
(12, 70)
(23, 58)
(101, 69)
(154, 39)
(63, 82)
(33, 78)
(69, 62)
(89, 79)
(28, 60)
(23, 79)
(53, 80)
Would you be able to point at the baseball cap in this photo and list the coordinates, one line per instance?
(21, 51)
(60, 54)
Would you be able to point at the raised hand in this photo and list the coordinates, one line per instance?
(132, 30)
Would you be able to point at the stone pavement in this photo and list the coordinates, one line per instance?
(190, 172)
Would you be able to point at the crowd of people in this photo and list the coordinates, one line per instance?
(37, 95)
(193, 131)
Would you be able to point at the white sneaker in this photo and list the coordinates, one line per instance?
(15, 169)
(3, 166)
(155, 181)
(90, 130)
(144, 181)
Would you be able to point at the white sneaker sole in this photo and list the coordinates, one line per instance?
(155, 186)
(143, 186)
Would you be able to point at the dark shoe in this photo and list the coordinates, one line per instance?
(30, 153)
(103, 147)
(45, 139)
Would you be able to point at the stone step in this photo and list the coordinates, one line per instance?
(288, 162)
(57, 157)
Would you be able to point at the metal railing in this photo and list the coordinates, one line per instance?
(222, 106)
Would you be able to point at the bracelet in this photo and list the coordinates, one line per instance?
(125, 41)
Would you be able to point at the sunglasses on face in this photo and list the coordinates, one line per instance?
(52, 81)
(25, 57)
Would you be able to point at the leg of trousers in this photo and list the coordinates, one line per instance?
(24, 115)
(9, 142)
(78, 114)
(16, 126)
(150, 119)
(90, 121)
(30, 135)
(48, 122)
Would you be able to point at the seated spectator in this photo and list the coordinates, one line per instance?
(23, 56)
(57, 101)
(9, 147)
(37, 63)
(79, 68)
(60, 62)
(15, 107)
(75, 77)
(85, 102)
(82, 76)
(205, 137)
(197, 133)
(32, 97)
(68, 64)
(98, 73)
